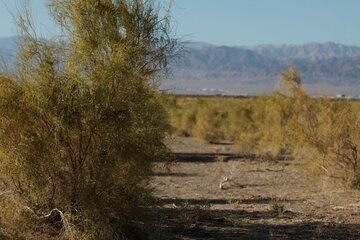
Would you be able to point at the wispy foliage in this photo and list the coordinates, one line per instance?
(81, 121)
(324, 134)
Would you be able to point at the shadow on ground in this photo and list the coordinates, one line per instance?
(202, 202)
(209, 157)
(173, 174)
(228, 218)
(191, 222)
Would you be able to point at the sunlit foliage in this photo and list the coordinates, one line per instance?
(81, 122)
(322, 133)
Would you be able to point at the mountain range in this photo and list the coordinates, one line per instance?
(325, 68)
(205, 68)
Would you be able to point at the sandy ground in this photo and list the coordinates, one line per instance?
(212, 193)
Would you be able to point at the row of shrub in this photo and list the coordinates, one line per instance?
(322, 132)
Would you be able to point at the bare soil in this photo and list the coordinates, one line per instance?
(213, 193)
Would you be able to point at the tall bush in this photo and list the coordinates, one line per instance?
(329, 131)
(81, 122)
(277, 115)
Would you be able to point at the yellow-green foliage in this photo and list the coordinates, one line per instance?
(330, 132)
(217, 119)
(279, 114)
(324, 133)
(241, 126)
(209, 119)
(261, 125)
(245, 121)
(81, 122)
(183, 113)
(209, 122)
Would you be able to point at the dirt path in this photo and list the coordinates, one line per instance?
(214, 194)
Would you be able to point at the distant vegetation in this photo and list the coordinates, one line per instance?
(323, 134)
(324, 66)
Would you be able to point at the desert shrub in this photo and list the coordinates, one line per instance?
(183, 115)
(204, 119)
(325, 133)
(210, 122)
(243, 125)
(329, 131)
(81, 122)
(275, 125)
(261, 125)
(245, 122)
(267, 125)
(322, 133)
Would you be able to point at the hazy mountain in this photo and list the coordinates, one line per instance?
(310, 51)
(224, 59)
(330, 67)
(333, 66)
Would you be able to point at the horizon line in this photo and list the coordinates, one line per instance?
(245, 45)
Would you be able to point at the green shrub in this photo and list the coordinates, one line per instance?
(210, 123)
(330, 131)
(183, 115)
(323, 134)
(81, 122)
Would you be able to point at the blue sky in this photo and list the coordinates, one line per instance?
(240, 22)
